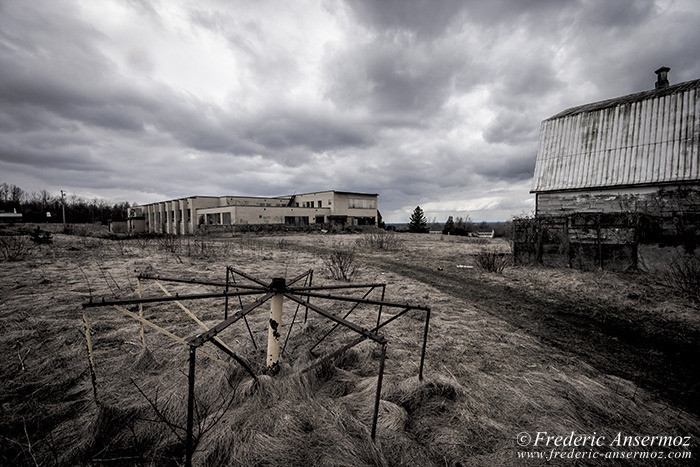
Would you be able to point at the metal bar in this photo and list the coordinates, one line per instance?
(335, 326)
(204, 337)
(300, 277)
(332, 287)
(308, 299)
(345, 323)
(195, 281)
(190, 407)
(354, 299)
(294, 318)
(397, 315)
(176, 297)
(165, 332)
(245, 320)
(425, 342)
(334, 355)
(143, 331)
(91, 361)
(345, 348)
(226, 300)
(238, 359)
(250, 278)
(215, 340)
(380, 376)
(379, 313)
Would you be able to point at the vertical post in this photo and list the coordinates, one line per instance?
(600, 243)
(226, 299)
(190, 408)
(273, 333)
(91, 361)
(143, 334)
(425, 342)
(379, 391)
(63, 206)
(308, 299)
(379, 313)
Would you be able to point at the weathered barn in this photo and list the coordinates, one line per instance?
(617, 182)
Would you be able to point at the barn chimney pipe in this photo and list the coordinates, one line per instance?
(662, 77)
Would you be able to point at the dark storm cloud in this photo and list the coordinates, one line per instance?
(394, 76)
(419, 100)
(425, 17)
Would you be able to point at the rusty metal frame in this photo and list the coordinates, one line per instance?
(302, 297)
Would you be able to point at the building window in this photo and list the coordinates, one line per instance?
(296, 220)
(319, 203)
(227, 218)
(361, 203)
(172, 216)
(189, 215)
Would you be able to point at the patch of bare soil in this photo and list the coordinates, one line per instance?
(530, 350)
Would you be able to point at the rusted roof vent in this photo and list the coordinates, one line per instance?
(662, 77)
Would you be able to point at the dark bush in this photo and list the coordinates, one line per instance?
(489, 259)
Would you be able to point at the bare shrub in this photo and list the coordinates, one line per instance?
(143, 242)
(169, 243)
(381, 240)
(340, 264)
(491, 260)
(683, 275)
(120, 247)
(197, 247)
(14, 247)
(41, 237)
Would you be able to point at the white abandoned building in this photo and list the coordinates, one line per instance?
(617, 182)
(185, 215)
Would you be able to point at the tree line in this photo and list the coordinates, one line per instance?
(35, 206)
(418, 223)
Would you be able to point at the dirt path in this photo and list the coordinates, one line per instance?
(618, 341)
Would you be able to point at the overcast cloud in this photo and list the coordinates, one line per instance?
(431, 103)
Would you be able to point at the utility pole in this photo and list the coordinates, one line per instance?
(63, 205)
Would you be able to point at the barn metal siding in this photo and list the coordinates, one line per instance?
(646, 138)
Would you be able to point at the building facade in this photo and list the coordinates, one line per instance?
(613, 175)
(184, 216)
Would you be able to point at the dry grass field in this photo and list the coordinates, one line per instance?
(529, 350)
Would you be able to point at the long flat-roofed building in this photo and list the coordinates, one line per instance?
(184, 216)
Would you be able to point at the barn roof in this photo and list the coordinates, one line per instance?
(628, 99)
(647, 138)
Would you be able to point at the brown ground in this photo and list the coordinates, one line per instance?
(533, 349)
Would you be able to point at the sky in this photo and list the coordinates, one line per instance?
(431, 103)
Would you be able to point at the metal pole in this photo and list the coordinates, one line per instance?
(240, 302)
(143, 332)
(63, 205)
(190, 408)
(226, 301)
(308, 299)
(379, 392)
(274, 328)
(379, 313)
(91, 360)
(289, 332)
(425, 342)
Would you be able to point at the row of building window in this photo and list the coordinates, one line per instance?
(361, 203)
(155, 216)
